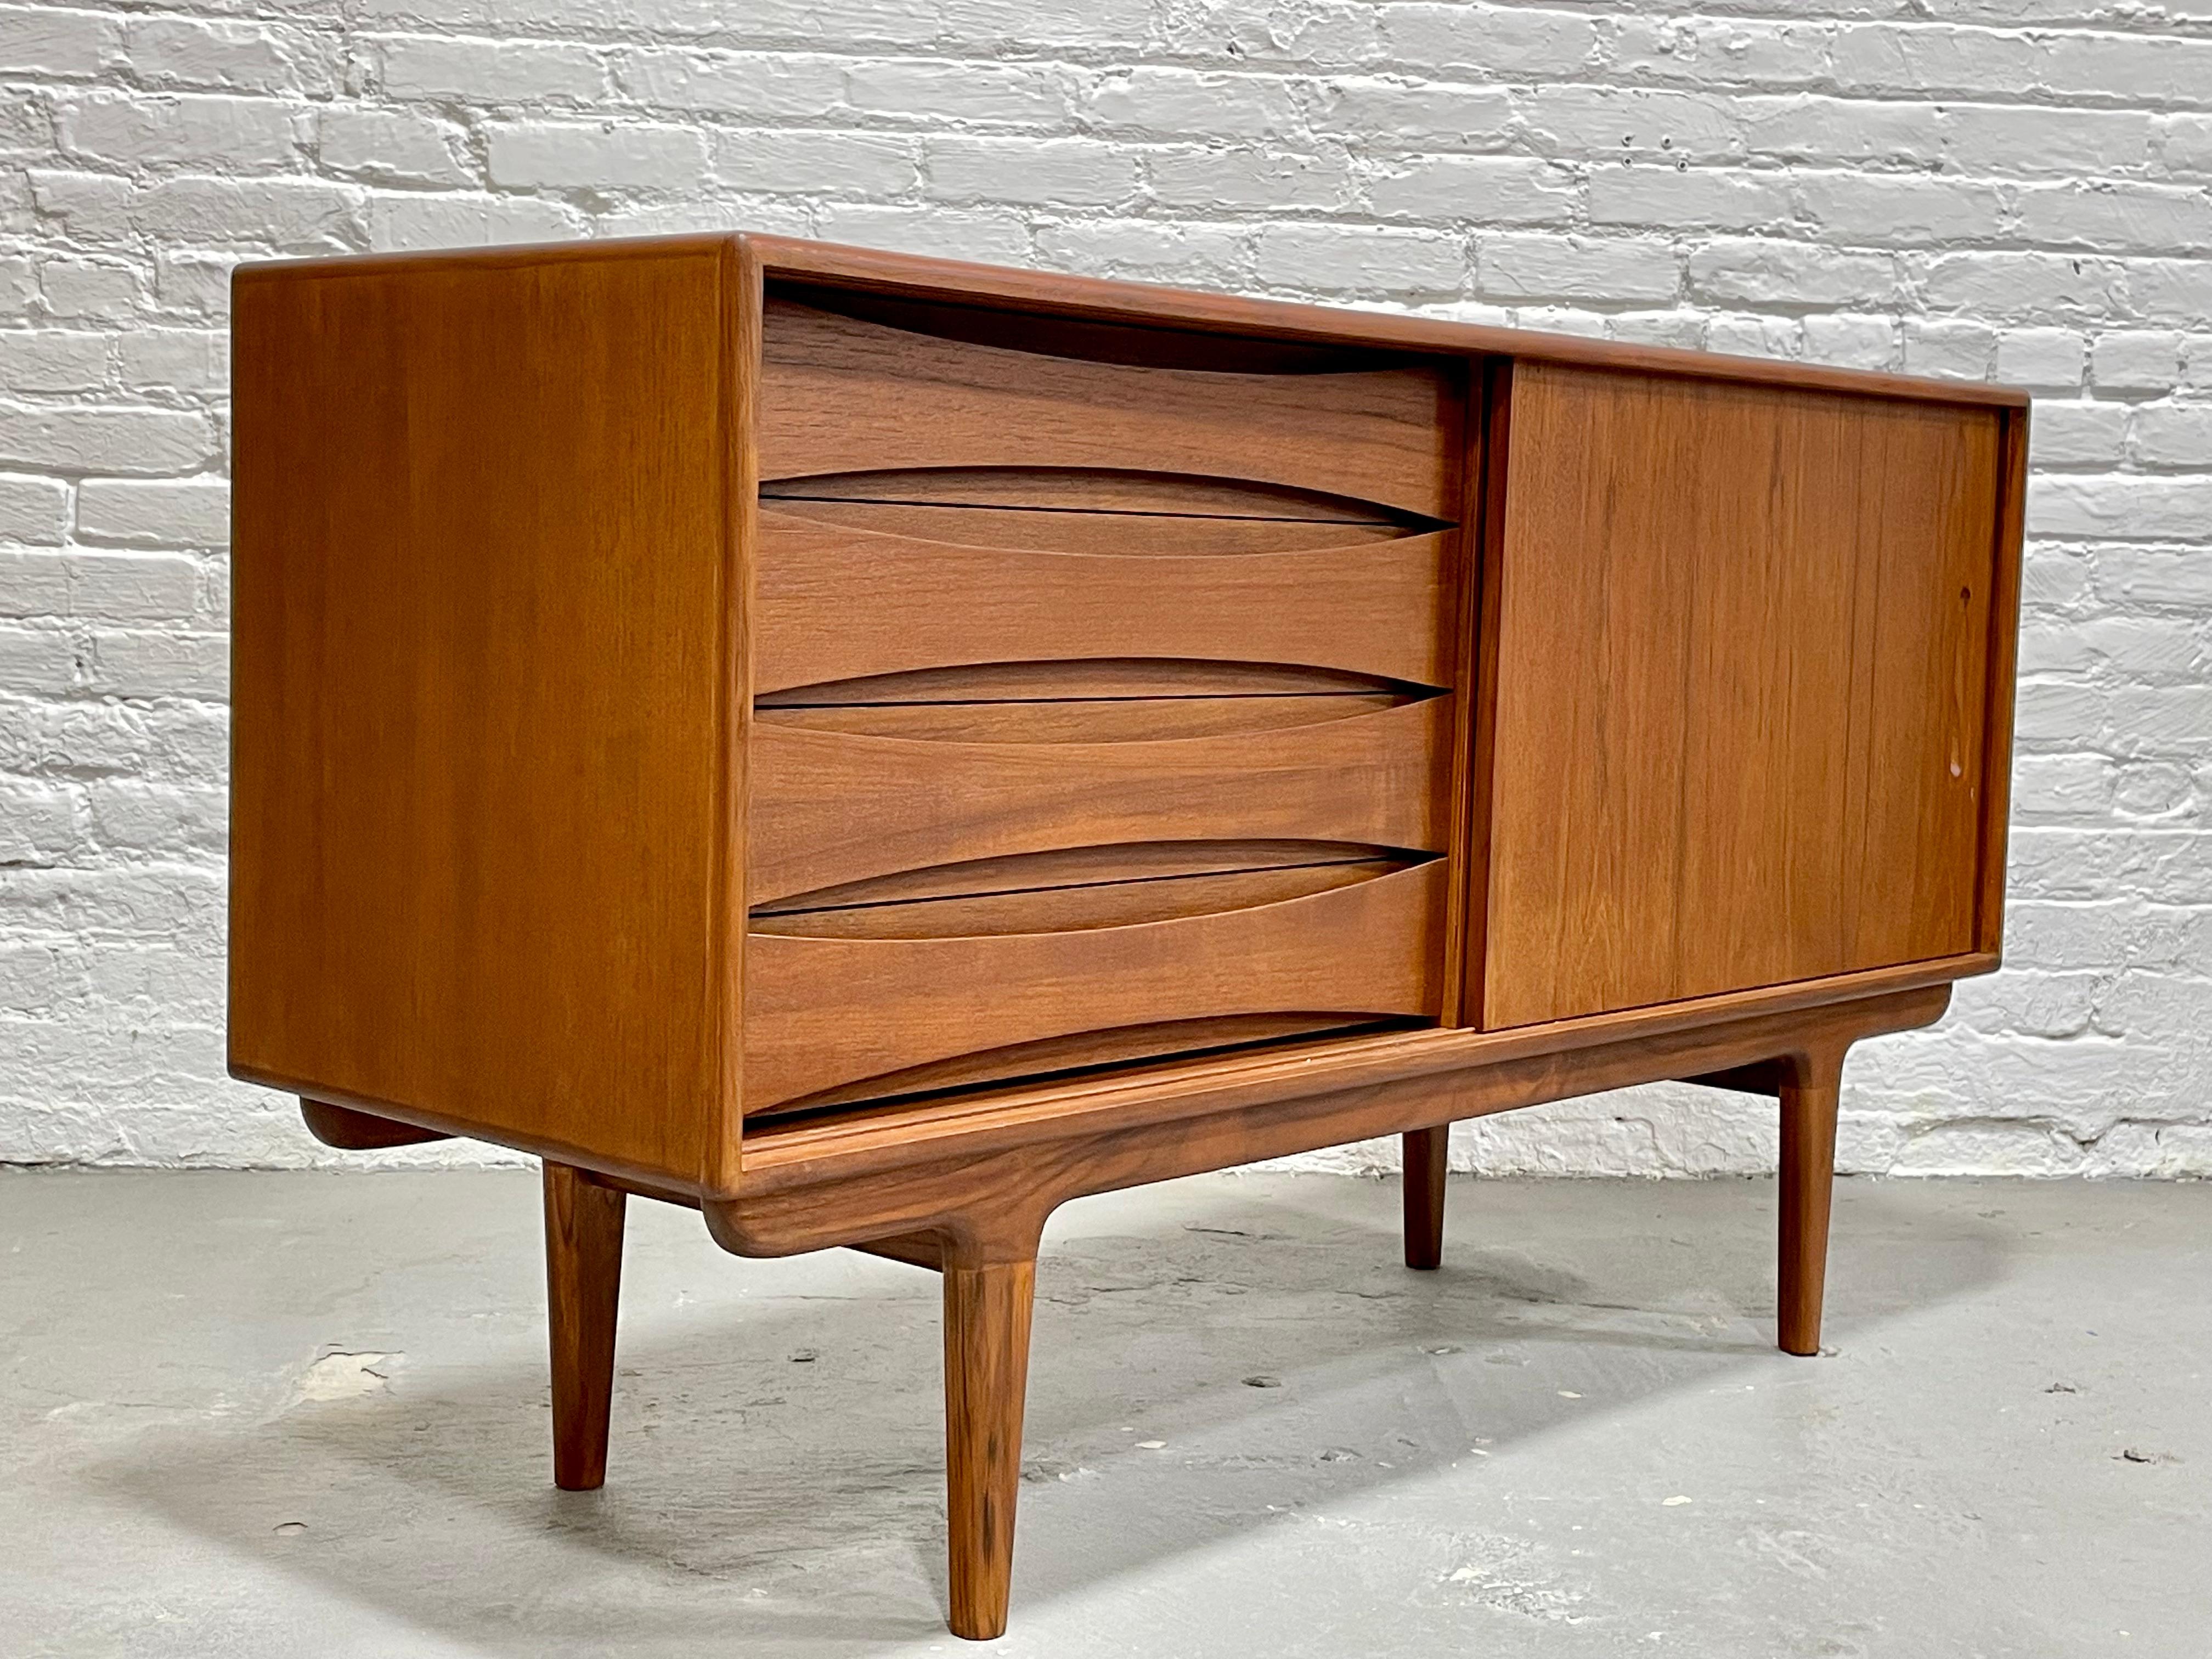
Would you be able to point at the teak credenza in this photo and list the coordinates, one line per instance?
(873, 748)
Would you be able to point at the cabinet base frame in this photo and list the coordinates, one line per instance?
(976, 1217)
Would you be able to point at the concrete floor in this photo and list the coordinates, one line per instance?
(277, 1414)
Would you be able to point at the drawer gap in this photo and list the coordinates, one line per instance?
(1074, 720)
(1095, 864)
(775, 702)
(787, 909)
(1102, 679)
(791, 907)
(1029, 494)
(909, 1089)
(947, 903)
(1349, 522)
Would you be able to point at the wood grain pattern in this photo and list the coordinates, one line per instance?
(986, 1356)
(1053, 1060)
(1389, 436)
(1741, 685)
(998, 1173)
(1081, 719)
(830, 807)
(744, 325)
(463, 671)
(1125, 514)
(838, 603)
(1126, 535)
(1123, 904)
(820, 1013)
(583, 1282)
(1079, 866)
(892, 1137)
(1093, 496)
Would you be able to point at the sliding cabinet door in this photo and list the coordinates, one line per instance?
(1742, 642)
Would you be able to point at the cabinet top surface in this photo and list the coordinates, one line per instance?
(790, 258)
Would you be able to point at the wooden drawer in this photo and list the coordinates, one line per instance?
(920, 901)
(1101, 702)
(832, 807)
(865, 1000)
(837, 601)
(845, 389)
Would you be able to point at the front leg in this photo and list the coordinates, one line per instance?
(1424, 1161)
(988, 1302)
(583, 1282)
(1810, 1085)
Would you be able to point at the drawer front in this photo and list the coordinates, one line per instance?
(836, 602)
(866, 1014)
(841, 393)
(1102, 708)
(833, 807)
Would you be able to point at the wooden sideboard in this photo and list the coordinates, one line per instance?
(872, 748)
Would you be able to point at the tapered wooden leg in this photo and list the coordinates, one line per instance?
(1810, 1091)
(583, 1282)
(986, 1360)
(1424, 1194)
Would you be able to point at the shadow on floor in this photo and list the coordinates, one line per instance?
(1208, 1359)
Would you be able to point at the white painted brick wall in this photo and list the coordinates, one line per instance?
(2016, 188)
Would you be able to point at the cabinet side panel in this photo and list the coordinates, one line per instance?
(483, 509)
(1742, 649)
